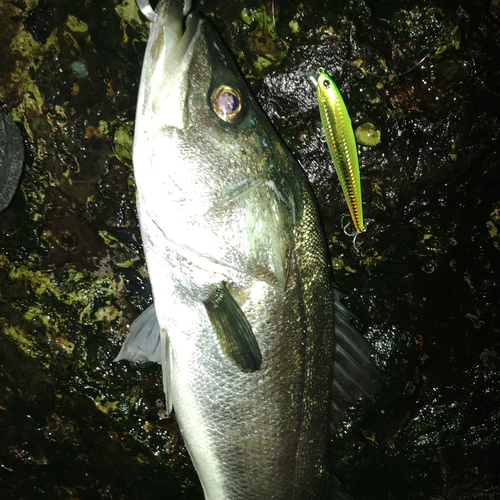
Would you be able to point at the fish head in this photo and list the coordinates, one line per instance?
(190, 86)
(208, 164)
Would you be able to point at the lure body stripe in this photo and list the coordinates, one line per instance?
(342, 145)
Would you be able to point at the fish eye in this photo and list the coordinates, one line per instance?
(227, 103)
(327, 84)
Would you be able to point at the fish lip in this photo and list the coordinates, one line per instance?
(151, 15)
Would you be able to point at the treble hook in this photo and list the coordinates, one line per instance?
(356, 233)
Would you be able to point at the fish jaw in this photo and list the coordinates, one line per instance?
(163, 91)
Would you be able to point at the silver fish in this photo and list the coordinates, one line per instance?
(244, 322)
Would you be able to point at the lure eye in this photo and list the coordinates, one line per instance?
(227, 103)
(326, 84)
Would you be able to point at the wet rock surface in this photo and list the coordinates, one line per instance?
(423, 278)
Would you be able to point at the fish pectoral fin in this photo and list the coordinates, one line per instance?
(143, 341)
(233, 330)
(147, 342)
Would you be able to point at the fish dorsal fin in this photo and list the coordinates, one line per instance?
(233, 331)
(146, 342)
(354, 374)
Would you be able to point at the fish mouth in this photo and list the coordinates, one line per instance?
(168, 56)
(148, 11)
(173, 31)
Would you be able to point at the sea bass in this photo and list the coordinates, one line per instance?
(257, 361)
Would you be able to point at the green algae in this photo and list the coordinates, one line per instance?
(123, 142)
(264, 42)
(367, 134)
(128, 12)
(76, 25)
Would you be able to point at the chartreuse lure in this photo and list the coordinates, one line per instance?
(342, 145)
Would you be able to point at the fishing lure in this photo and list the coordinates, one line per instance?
(342, 145)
